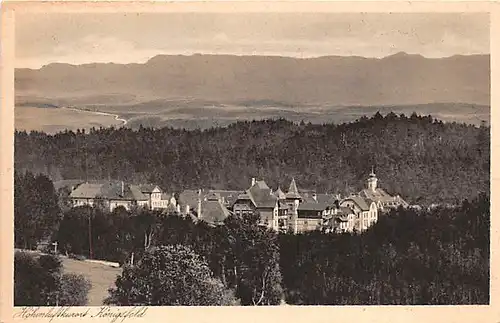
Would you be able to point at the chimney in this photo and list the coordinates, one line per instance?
(187, 209)
(123, 188)
(199, 208)
(253, 181)
(315, 197)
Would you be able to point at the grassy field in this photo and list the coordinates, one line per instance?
(52, 120)
(101, 276)
(200, 114)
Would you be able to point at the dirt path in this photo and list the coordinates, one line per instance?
(116, 116)
(102, 277)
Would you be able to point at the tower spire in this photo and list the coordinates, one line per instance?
(293, 187)
(372, 181)
(293, 191)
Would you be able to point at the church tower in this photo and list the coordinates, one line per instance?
(372, 181)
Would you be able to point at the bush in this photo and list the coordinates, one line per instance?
(169, 275)
(27, 280)
(38, 281)
(74, 290)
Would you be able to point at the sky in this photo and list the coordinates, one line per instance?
(79, 38)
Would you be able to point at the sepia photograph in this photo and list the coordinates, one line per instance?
(251, 158)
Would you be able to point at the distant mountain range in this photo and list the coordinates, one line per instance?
(397, 79)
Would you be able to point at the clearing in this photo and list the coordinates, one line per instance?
(101, 277)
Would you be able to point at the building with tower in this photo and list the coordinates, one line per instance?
(383, 200)
(294, 210)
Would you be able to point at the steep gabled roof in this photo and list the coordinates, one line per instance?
(361, 202)
(213, 211)
(293, 192)
(261, 185)
(135, 193)
(279, 194)
(262, 196)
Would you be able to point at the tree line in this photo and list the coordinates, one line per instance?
(423, 159)
(437, 256)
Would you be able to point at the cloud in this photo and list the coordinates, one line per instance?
(119, 38)
(92, 49)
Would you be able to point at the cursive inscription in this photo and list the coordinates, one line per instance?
(114, 314)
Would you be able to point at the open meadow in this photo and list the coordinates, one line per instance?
(101, 276)
(193, 114)
(52, 120)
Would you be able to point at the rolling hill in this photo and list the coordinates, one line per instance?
(399, 79)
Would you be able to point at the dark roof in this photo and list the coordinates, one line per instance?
(319, 198)
(147, 188)
(212, 211)
(326, 198)
(109, 191)
(67, 183)
(293, 192)
(261, 185)
(262, 196)
(361, 202)
(228, 197)
(308, 206)
(86, 190)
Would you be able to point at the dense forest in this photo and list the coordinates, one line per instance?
(407, 257)
(424, 160)
(437, 256)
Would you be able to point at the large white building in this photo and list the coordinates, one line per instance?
(112, 194)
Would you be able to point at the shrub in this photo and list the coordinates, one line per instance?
(169, 275)
(74, 290)
(38, 281)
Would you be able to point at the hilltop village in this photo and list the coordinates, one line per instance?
(293, 210)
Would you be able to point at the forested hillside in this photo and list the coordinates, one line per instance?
(425, 160)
